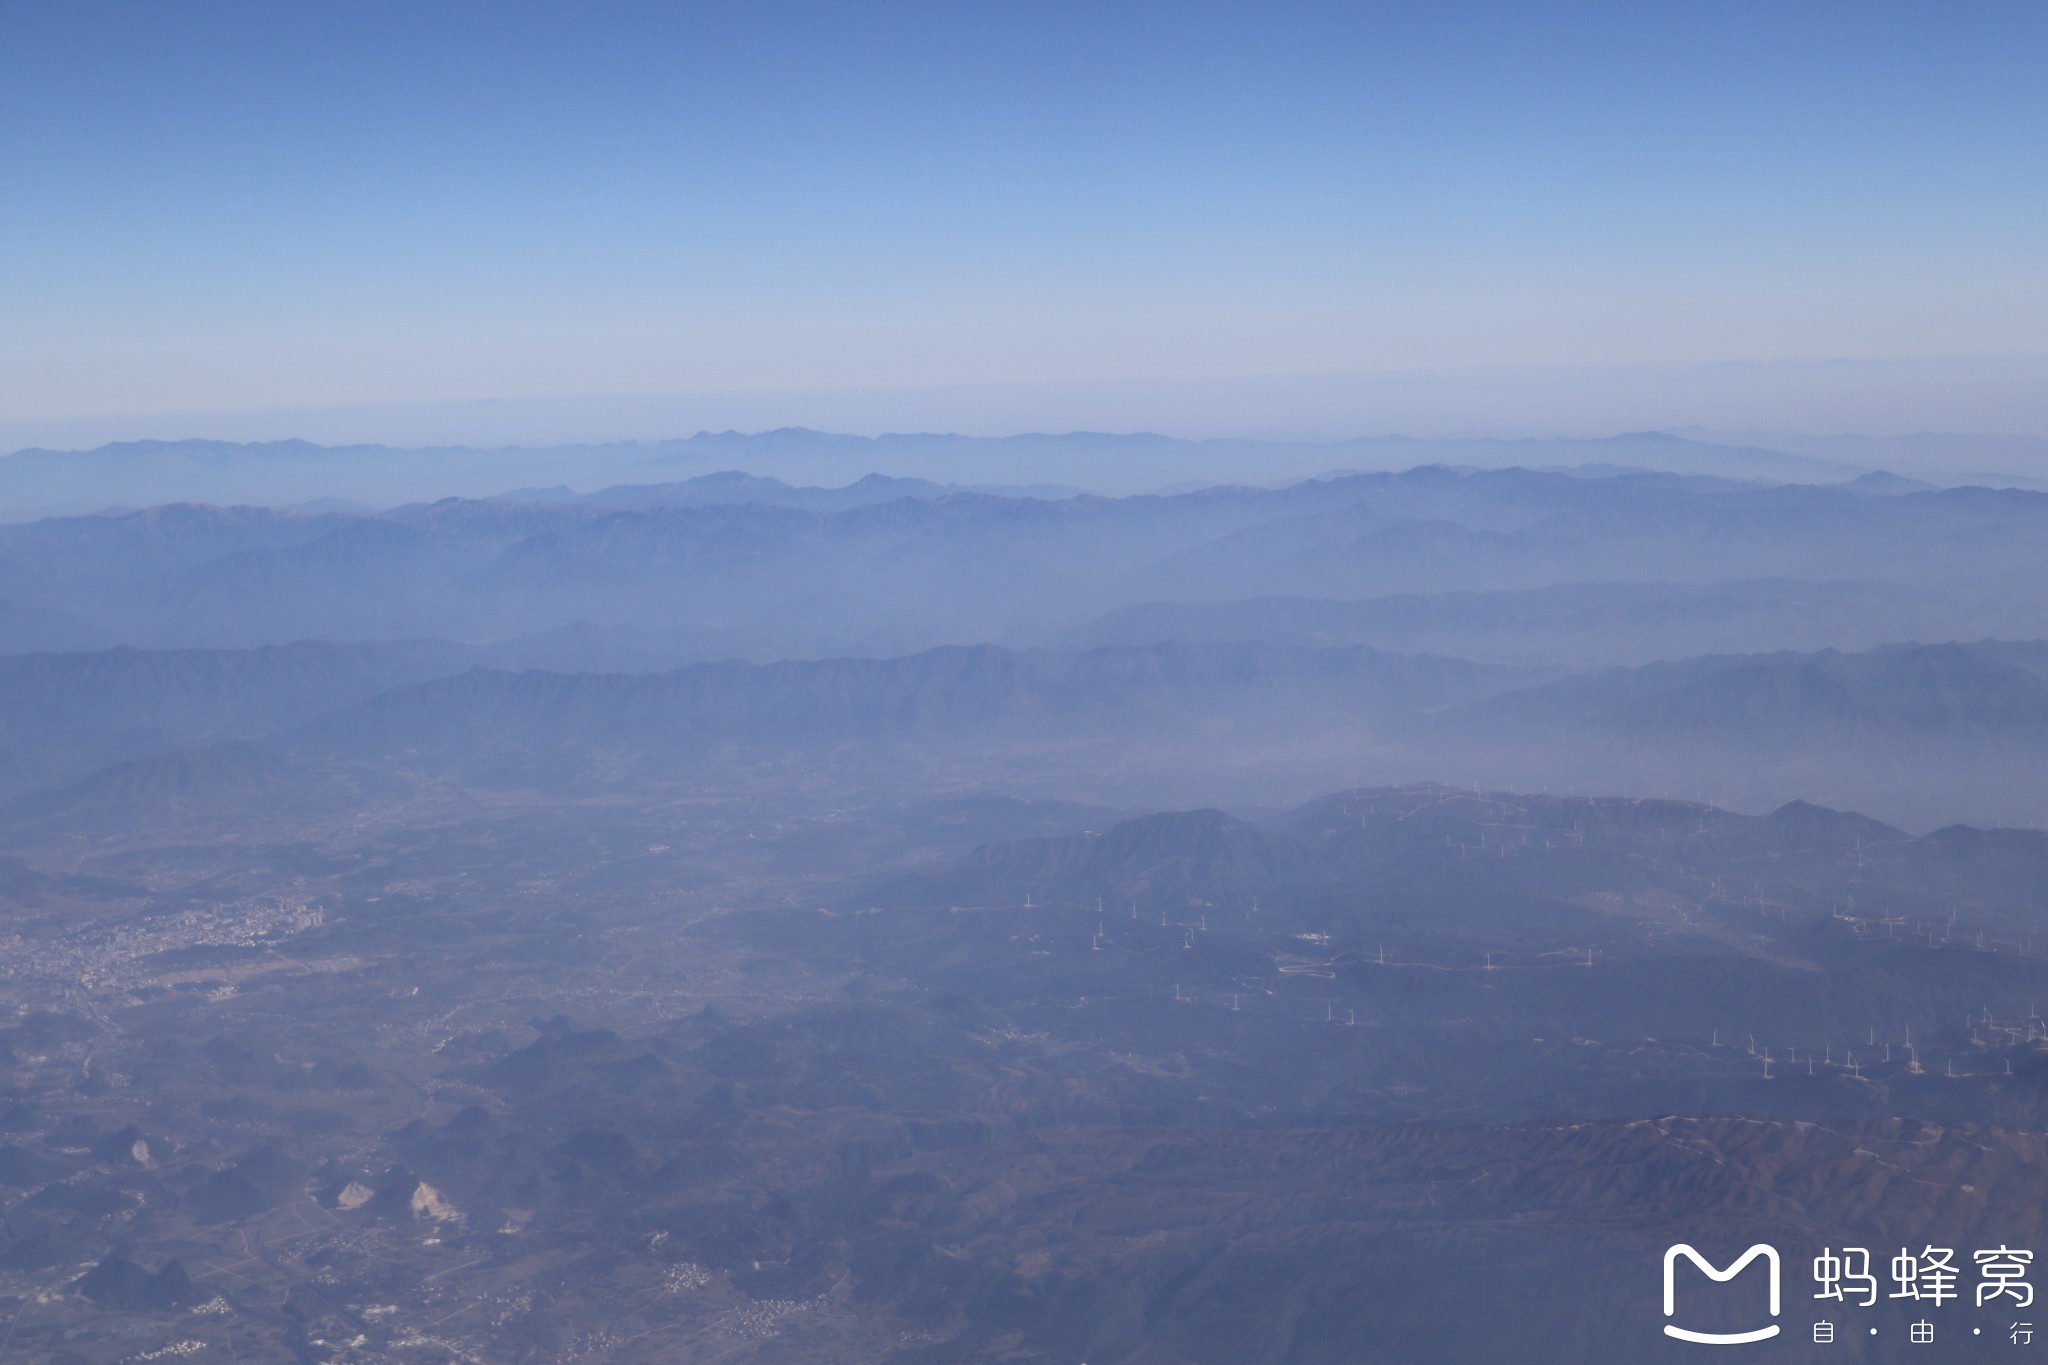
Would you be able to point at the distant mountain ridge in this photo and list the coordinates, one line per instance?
(1177, 859)
(957, 693)
(1611, 622)
(42, 482)
(63, 715)
(1917, 733)
(1984, 692)
(902, 573)
(734, 486)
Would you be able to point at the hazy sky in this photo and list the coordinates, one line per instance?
(207, 207)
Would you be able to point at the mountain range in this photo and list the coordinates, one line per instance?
(925, 921)
(1515, 565)
(41, 482)
(1920, 734)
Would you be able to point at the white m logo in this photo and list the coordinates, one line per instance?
(1770, 1255)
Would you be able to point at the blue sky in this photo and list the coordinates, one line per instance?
(211, 207)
